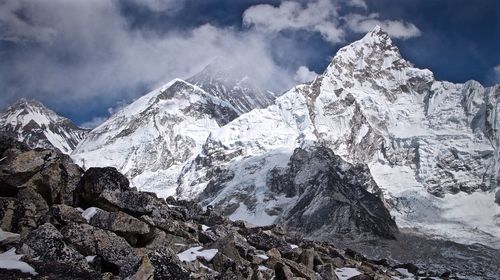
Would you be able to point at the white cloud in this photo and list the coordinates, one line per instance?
(396, 29)
(94, 122)
(14, 28)
(85, 48)
(304, 75)
(496, 71)
(93, 50)
(160, 5)
(318, 16)
(324, 17)
(357, 3)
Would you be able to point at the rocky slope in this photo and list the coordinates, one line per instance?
(431, 146)
(32, 123)
(92, 225)
(151, 139)
(315, 194)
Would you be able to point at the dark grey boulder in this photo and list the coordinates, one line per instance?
(167, 264)
(53, 175)
(118, 256)
(132, 229)
(62, 214)
(47, 243)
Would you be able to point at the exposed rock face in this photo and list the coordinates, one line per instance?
(316, 194)
(30, 122)
(332, 197)
(153, 239)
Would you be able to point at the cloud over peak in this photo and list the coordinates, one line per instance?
(318, 16)
(324, 17)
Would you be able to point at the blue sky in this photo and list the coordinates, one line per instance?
(86, 58)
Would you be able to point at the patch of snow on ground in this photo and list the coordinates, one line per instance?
(405, 273)
(10, 260)
(264, 257)
(89, 213)
(8, 236)
(345, 273)
(192, 254)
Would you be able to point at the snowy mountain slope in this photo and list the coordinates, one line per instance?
(31, 122)
(151, 139)
(222, 80)
(431, 146)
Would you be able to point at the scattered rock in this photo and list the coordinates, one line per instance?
(136, 235)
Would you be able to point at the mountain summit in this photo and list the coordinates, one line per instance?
(151, 139)
(31, 122)
(225, 81)
(431, 146)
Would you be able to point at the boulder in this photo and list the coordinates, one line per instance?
(10, 143)
(327, 271)
(53, 175)
(413, 269)
(97, 180)
(108, 189)
(117, 255)
(310, 258)
(23, 213)
(266, 241)
(145, 271)
(283, 272)
(63, 214)
(167, 265)
(47, 243)
(122, 224)
(7, 213)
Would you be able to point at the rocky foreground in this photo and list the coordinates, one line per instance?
(59, 222)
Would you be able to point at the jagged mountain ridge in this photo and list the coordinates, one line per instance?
(32, 123)
(312, 192)
(431, 146)
(221, 79)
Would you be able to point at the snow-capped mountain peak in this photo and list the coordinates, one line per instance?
(31, 122)
(150, 139)
(430, 145)
(223, 79)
